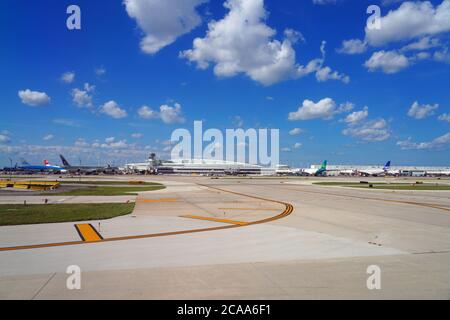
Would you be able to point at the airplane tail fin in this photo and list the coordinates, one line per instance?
(64, 161)
(387, 166)
(324, 165)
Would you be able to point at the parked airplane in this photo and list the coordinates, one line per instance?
(316, 172)
(86, 169)
(25, 166)
(376, 172)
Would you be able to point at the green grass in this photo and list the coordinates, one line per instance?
(406, 187)
(386, 186)
(53, 213)
(108, 191)
(346, 183)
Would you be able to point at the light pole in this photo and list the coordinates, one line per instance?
(79, 171)
(10, 169)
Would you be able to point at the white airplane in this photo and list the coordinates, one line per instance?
(376, 172)
(438, 173)
(316, 172)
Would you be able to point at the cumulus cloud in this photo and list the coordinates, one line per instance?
(100, 71)
(163, 21)
(67, 122)
(81, 143)
(423, 111)
(229, 41)
(298, 145)
(112, 143)
(324, 109)
(436, 144)
(422, 44)
(325, 74)
(5, 137)
(68, 77)
(418, 22)
(34, 98)
(83, 97)
(145, 112)
(322, 2)
(137, 135)
(369, 131)
(48, 137)
(295, 132)
(112, 109)
(409, 21)
(357, 116)
(352, 46)
(168, 114)
(387, 61)
(442, 56)
(444, 117)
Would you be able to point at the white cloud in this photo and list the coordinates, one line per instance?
(325, 74)
(387, 61)
(324, 109)
(100, 71)
(112, 109)
(322, 2)
(83, 97)
(229, 42)
(145, 112)
(345, 107)
(370, 131)
(34, 98)
(67, 122)
(48, 137)
(442, 56)
(420, 23)
(68, 77)
(422, 44)
(286, 149)
(298, 145)
(436, 144)
(294, 36)
(444, 117)
(81, 143)
(295, 132)
(5, 137)
(168, 114)
(352, 46)
(111, 143)
(137, 135)
(409, 21)
(163, 21)
(357, 116)
(419, 111)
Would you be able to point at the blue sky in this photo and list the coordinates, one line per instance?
(116, 89)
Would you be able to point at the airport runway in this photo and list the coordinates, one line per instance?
(203, 238)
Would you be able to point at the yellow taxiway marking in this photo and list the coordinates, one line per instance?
(88, 233)
(239, 223)
(248, 209)
(287, 211)
(157, 200)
